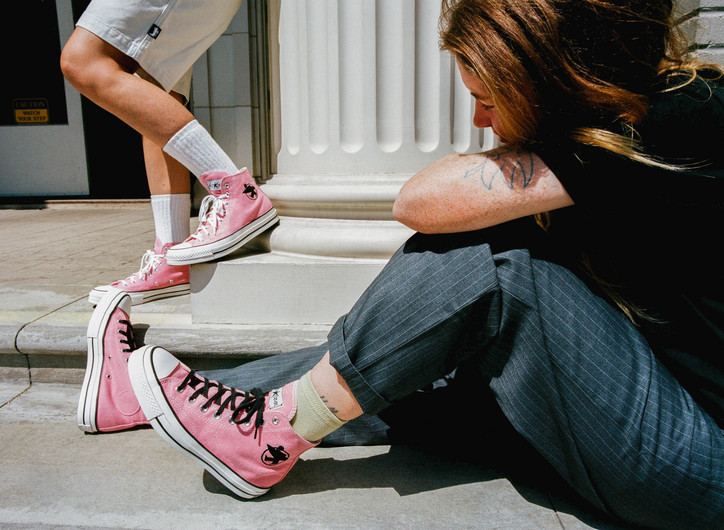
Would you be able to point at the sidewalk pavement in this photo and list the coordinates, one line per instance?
(55, 476)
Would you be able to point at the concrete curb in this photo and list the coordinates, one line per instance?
(55, 352)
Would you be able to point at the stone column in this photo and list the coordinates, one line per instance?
(366, 99)
(363, 100)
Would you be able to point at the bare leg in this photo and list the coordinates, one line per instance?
(104, 75)
(333, 390)
(165, 174)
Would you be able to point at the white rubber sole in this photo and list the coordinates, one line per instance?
(141, 297)
(219, 249)
(163, 420)
(88, 400)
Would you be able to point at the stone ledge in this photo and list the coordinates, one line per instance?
(56, 352)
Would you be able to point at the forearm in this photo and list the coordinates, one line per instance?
(459, 193)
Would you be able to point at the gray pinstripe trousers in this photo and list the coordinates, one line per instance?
(569, 372)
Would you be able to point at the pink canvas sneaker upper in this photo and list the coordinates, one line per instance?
(262, 448)
(233, 202)
(155, 273)
(117, 407)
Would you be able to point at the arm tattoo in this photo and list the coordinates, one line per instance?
(514, 168)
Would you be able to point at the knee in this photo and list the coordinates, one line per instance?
(90, 64)
(75, 65)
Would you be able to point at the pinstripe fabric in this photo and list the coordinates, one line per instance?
(580, 383)
(570, 373)
(429, 309)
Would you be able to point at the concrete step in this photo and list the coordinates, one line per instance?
(55, 476)
(258, 287)
(43, 334)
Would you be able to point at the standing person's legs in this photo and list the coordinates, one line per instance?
(159, 41)
(105, 75)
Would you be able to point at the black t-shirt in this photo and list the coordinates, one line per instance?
(655, 234)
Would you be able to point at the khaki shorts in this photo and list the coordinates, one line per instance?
(165, 37)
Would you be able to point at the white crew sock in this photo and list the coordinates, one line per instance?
(194, 147)
(171, 216)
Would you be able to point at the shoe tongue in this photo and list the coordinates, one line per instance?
(125, 307)
(282, 400)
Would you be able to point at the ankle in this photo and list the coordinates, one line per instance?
(313, 419)
(171, 217)
(334, 391)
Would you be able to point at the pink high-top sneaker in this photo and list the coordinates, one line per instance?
(235, 212)
(156, 279)
(107, 401)
(243, 438)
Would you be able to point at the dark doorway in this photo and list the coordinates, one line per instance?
(32, 93)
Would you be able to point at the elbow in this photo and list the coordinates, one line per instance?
(401, 211)
(407, 211)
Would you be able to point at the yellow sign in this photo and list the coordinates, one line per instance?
(31, 111)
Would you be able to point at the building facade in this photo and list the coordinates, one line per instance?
(333, 104)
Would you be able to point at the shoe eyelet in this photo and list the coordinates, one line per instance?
(156, 284)
(191, 400)
(179, 389)
(108, 376)
(275, 420)
(227, 185)
(217, 415)
(171, 281)
(204, 409)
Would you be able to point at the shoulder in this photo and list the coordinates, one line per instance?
(688, 100)
(685, 122)
(684, 128)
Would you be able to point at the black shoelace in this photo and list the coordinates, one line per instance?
(130, 339)
(250, 404)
